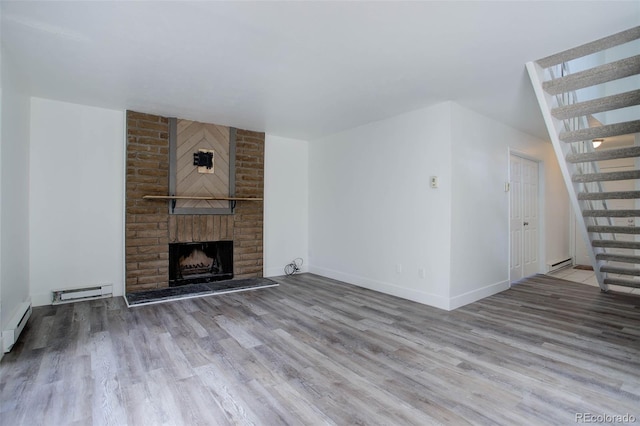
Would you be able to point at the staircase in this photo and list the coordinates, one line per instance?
(598, 103)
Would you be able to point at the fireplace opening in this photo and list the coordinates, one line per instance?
(193, 263)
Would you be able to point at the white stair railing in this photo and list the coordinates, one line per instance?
(569, 126)
(554, 127)
(576, 123)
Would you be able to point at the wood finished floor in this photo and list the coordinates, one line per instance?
(317, 351)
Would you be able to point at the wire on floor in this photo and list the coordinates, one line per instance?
(294, 266)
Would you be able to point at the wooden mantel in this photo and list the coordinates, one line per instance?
(193, 197)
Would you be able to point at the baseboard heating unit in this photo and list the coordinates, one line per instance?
(15, 326)
(559, 264)
(80, 294)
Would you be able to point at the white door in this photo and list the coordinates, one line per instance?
(516, 221)
(530, 216)
(524, 220)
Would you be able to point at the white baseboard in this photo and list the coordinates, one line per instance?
(15, 325)
(414, 295)
(278, 271)
(41, 299)
(475, 295)
(387, 288)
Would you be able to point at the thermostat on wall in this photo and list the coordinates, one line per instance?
(434, 181)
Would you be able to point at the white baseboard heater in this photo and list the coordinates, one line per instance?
(15, 326)
(554, 266)
(84, 293)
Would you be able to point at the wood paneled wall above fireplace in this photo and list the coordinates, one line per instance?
(150, 228)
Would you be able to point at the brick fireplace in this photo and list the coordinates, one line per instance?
(195, 263)
(150, 228)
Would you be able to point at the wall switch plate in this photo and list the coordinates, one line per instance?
(422, 273)
(433, 181)
(399, 268)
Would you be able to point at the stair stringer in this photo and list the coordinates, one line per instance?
(554, 127)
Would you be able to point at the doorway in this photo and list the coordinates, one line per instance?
(524, 221)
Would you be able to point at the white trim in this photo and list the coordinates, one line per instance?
(475, 295)
(383, 287)
(123, 284)
(522, 154)
(541, 209)
(542, 217)
(572, 232)
(279, 271)
(273, 272)
(41, 299)
(15, 326)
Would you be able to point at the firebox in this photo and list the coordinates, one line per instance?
(193, 263)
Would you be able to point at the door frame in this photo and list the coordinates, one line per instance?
(541, 208)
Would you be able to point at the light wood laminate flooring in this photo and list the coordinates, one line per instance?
(318, 351)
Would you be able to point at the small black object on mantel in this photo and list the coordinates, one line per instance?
(203, 159)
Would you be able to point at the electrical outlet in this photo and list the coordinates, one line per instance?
(433, 181)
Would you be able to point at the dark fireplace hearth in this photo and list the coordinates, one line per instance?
(203, 262)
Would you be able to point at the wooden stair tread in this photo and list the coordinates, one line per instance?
(593, 76)
(611, 213)
(609, 154)
(620, 270)
(606, 131)
(607, 103)
(614, 195)
(606, 176)
(591, 47)
(612, 257)
(614, 229)
(633, 245)
(622, 283)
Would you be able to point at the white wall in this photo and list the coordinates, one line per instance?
(76, 197)
(480, 205)
(14, 181)
(356, 206)
(371, 210)
(286, 204)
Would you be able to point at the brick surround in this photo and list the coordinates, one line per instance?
(148, 225)
(248, 223)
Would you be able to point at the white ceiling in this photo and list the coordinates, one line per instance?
(299, 69)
